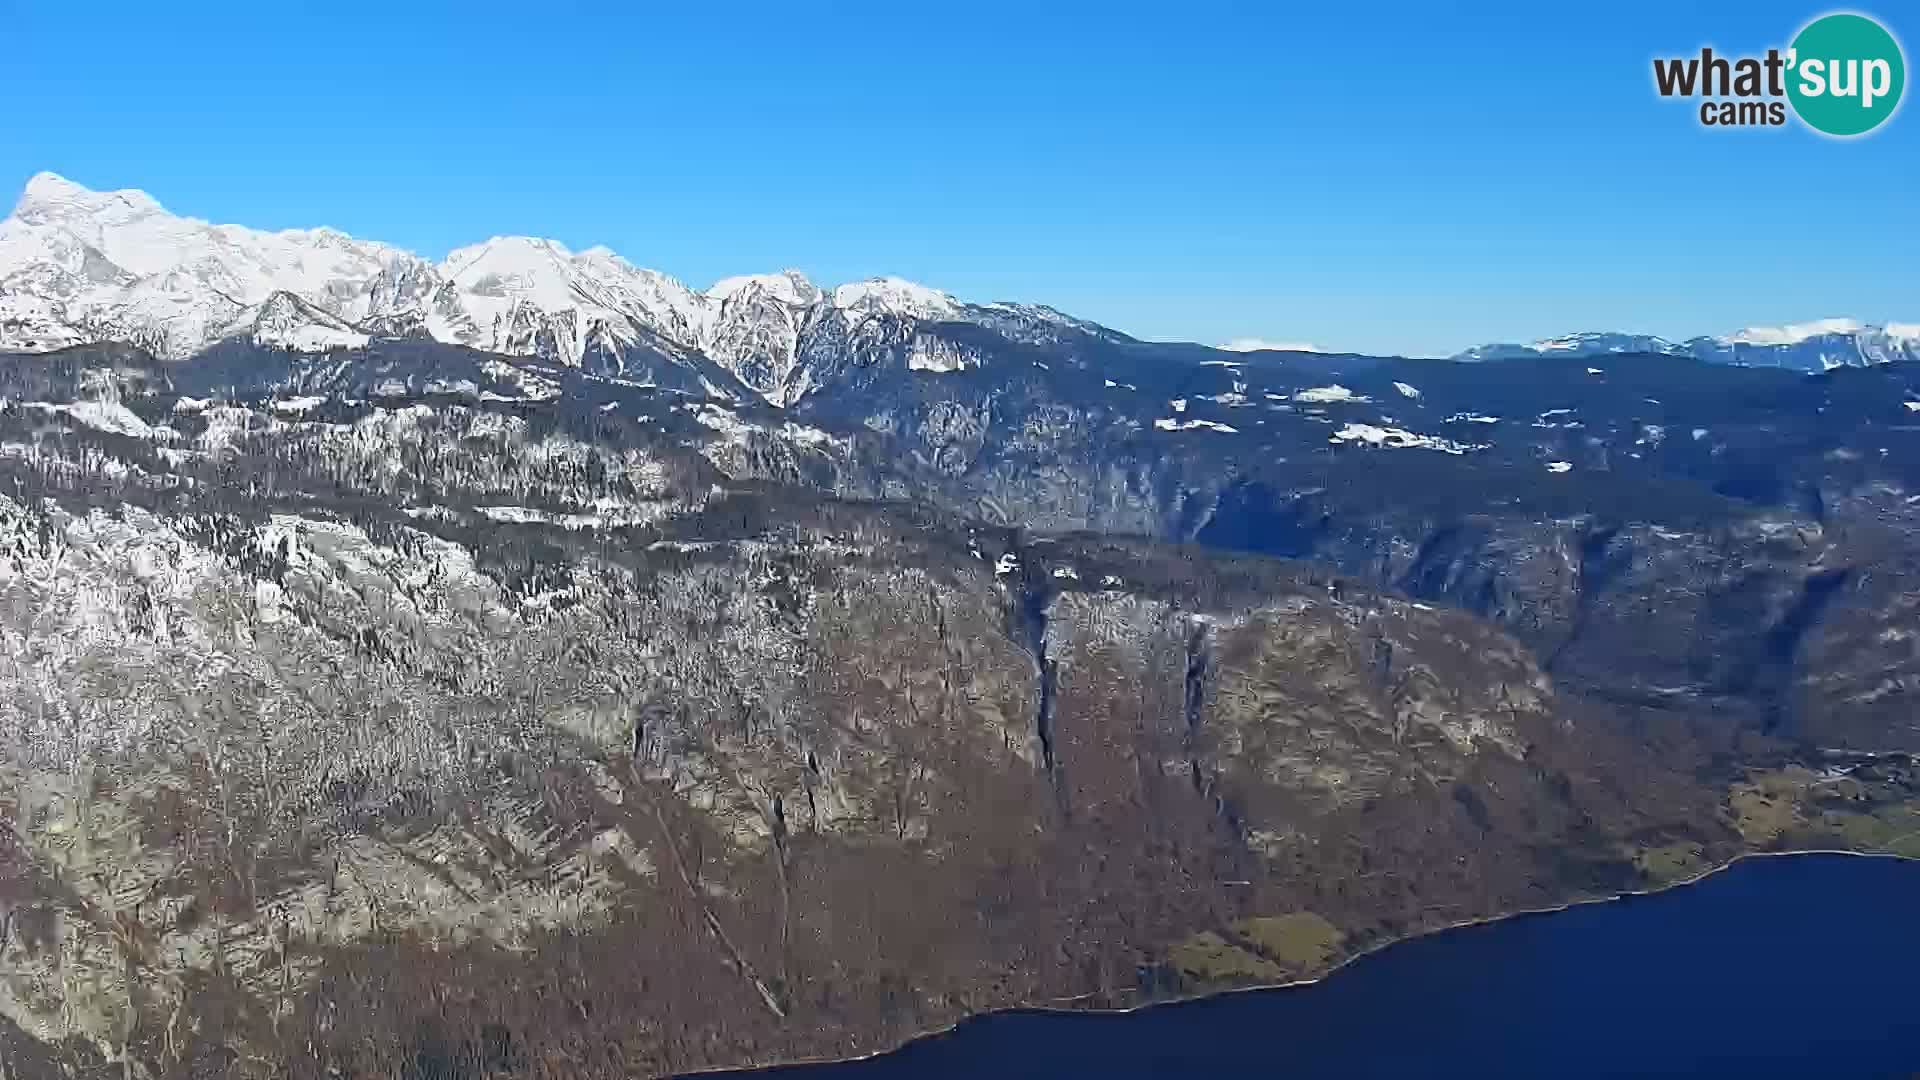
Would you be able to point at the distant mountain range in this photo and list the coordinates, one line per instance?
(1814, 346)
(79, 266)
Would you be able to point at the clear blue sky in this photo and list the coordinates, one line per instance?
(1382, 177)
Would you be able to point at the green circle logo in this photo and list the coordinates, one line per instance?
(1845, 74)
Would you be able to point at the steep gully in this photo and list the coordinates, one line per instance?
(1035, 599)
(1032, 606)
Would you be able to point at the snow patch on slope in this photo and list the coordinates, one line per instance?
(108, 416)
(1326, 395)
(1168, 423)
(1393, 438)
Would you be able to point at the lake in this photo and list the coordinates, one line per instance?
(1804, 966)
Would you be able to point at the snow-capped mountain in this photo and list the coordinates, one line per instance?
(1585, 343)
(1814, 346)
(78, 266)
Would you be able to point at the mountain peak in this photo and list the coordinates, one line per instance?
(49, 195)
(896, 296)
(788, 286)
(506, 251)
(51, 187)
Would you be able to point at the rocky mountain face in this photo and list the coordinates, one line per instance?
(418, 710)
(523, 665)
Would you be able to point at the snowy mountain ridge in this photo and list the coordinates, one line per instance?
(1811, 346)
(78, 265)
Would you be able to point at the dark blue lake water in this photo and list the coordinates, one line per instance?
(1805, 967)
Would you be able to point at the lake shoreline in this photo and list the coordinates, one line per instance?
(1061, 1006)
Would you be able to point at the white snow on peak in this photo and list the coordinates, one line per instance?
(1792, 333)
(603, 288)
(521, 267)
(78, 265)
(50, 195)
(522, 295)
(121, 235)
(82, 265)
(895, 296)
(85, 265)
(788, 287)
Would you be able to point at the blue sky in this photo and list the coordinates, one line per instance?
(1378, 177)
